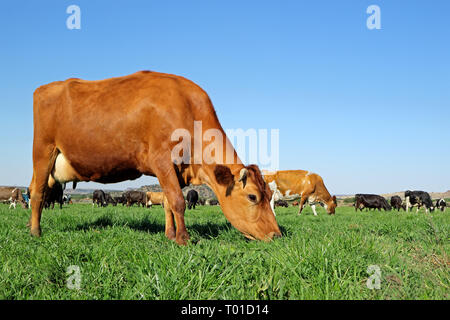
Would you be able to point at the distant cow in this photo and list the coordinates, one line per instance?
(419, 199)
(120, 199)
(54, 194)
(67, 199)
(153, 198)
(201, 201)
(396, 203)
(281, 203)
(137, 197)
(211, 202)
(288, 184)
(440, 204)
(12, 195)
(110, 200)
(99, 198)
(295, 203)
(192, 198)
(371, 201)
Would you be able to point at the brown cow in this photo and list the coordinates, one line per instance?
(155, 198)
(120, 128)
(309, 186)
(12, 195)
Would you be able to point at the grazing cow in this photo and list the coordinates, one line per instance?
(67, 199)
(211, 202)
(12, 195)
(309, 186)
(99, 198)
(281, 203)
(110, 200)
(54, 194)
(371, 201)
(201, 201)
(142, 124)
(440, 204)
(134, 196)
(120, 199)
(192, 198)
(419, 199)
(295, 203)
(154, 198)
(396, 203)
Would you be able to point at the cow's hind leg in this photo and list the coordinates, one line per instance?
(43, 160)
(300, 206)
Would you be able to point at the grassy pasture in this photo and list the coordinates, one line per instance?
(123, 254)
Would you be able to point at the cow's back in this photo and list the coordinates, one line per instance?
(106, 129)
(6, 193)
(293, 180)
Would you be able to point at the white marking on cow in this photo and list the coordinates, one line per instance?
(274, 188)
(313, 207)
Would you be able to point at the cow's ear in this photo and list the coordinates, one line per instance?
(334, 199)
(223, 175)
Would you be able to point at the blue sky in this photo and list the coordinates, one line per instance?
(368, 110)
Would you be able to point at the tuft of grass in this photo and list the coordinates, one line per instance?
(123, 253)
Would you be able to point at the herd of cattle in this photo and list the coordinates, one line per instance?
(15, 196)
(100, 198)
(412, 199)
(145, 199)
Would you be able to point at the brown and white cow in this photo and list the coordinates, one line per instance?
(121, 128)
(309, 186)
(155, 198)
(13, 196)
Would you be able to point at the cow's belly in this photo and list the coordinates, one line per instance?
(64, 171)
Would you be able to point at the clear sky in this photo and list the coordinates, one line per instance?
(368, 110)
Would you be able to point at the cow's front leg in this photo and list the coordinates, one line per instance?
(170, 224)
(175, 205)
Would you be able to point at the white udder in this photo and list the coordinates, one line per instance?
(62, 171)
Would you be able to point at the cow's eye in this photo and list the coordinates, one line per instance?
(252, 197)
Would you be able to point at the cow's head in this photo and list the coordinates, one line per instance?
(244, 198)
(331, 205)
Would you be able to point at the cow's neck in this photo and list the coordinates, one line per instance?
(204, 174)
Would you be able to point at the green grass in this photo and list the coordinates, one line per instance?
(124, 254)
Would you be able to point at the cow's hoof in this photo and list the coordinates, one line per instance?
(170, 234)
(182, 239)
(35, 232)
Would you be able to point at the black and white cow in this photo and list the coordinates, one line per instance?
(440, 204)
(419, 199)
